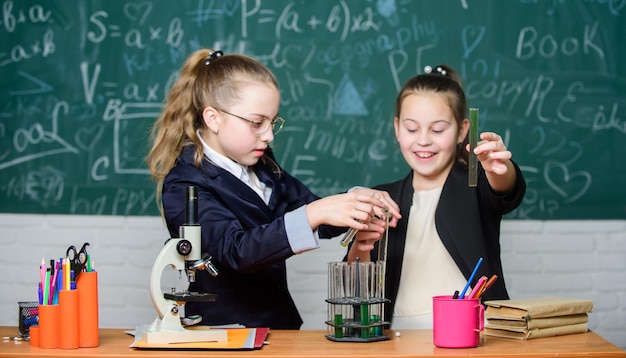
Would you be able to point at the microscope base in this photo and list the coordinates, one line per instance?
(185, 336)
(168, 329)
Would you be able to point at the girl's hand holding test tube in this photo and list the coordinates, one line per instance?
(495, 160)
(378, 219)
(492, 153)
(354, 209)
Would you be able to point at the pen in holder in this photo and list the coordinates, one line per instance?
(356, 301)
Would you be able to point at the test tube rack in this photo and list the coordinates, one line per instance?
(356, 302)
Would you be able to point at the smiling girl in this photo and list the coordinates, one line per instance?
(446, 225)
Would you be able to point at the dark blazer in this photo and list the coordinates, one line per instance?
(467, 220)
(246, 239)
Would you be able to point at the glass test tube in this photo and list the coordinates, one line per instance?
(382, 243)
(348, 236)
(335, 290)
(473, 142)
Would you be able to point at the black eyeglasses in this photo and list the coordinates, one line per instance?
(261, 127)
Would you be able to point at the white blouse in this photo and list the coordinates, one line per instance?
(427, 268)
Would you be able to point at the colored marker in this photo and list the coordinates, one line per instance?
(478, 287)
(42, 271)
(46, 289)
(488, 284)
(469, 281)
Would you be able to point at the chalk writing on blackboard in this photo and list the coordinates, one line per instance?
(82, 83)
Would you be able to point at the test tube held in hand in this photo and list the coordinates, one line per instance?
(348, 236)
(382, 243)
(473, 142)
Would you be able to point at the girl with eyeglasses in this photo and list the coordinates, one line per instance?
(214, 132)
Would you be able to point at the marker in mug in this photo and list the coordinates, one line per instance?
(488, 284)
(473, 142)
(475, 293)
(469, 281)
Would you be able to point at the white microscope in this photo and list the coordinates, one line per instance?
(182, 253)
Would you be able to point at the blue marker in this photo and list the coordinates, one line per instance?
(471, 278)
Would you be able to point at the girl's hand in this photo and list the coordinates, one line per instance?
(496, 160)
(383, 204)
(354, 209)
(365, 239)
(492, 153)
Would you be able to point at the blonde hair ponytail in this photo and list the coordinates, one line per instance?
(206, 79)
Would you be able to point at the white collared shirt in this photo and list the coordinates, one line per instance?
(243, 172)
(299, 234)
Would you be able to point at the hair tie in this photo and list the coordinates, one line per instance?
(437, 69)
(213, 56)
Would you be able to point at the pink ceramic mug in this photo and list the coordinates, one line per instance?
(457, 323)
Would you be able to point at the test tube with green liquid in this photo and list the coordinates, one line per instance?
(338, 325)
(473, 142)
(365, 321)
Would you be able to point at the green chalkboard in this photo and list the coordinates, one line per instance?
(81, 83)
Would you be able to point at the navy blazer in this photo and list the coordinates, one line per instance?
(245, 237)
(467, 221)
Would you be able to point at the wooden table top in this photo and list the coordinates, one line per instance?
(311, 344)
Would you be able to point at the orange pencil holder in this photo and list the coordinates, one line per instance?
(48, 326)
(68, 319)
(87, 287)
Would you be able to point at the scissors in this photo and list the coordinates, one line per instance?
(78, 259)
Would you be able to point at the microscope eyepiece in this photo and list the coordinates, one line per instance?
(191, 213)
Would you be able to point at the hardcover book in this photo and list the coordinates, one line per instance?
(537, 307)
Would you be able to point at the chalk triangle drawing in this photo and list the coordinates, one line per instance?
(347, 100)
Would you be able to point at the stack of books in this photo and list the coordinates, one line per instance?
(536, 317)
